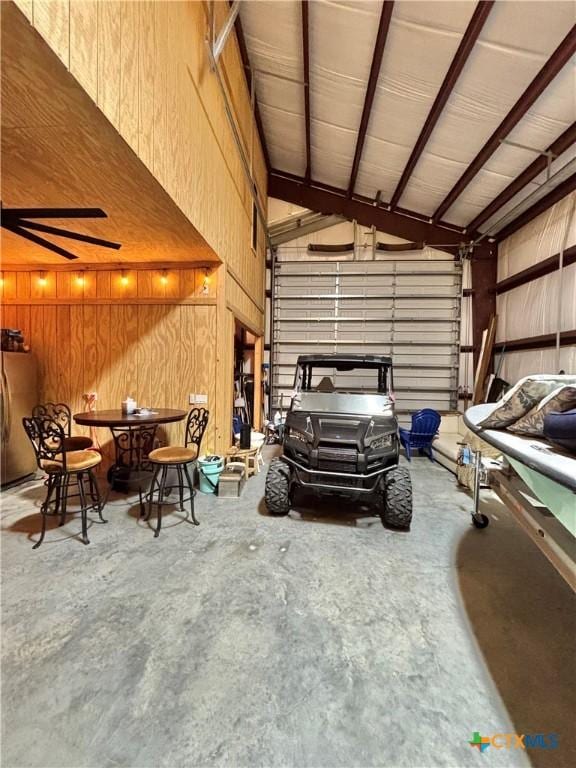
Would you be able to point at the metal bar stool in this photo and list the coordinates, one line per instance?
(176, 459)
(48, 440)
(62, 415)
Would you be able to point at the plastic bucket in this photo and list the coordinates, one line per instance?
(209, 470)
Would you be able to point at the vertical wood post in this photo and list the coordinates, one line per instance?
(484, 271)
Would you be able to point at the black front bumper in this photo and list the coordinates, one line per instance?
(337, 481)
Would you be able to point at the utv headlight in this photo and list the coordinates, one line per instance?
(302, 431)
(302, 437)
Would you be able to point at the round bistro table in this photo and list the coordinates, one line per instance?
(133, 437)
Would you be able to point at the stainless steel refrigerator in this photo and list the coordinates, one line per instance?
(18, 396)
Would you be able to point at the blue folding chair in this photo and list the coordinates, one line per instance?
(424, 429)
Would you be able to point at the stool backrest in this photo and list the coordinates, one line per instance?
(58, 412)
(47, 437)
(196, 426)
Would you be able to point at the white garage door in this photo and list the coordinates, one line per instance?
(408, 309)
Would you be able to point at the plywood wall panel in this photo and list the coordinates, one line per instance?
(123, 353)
(51, 360)
(129, 73)
(146, 82)
(77, 387)
(169, 108)
(143, 386)
(206, 349)
(186, 379)
(225, 376)
(9, 317)
(144, 284)
(23, 284)
(52, 19)
(62, 352)
(103, 285)
(109, 59)
(36, 342)
(27, 8)
(166, 372)
(84, 44)
(243, 306)
(161, 43)
(23, 320)
(63, 281)
(90, 364)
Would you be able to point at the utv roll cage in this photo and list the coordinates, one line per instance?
(342, 364)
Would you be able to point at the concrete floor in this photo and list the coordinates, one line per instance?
(321, 639)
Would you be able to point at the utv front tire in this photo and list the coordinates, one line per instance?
(277, 492)
(397, 499)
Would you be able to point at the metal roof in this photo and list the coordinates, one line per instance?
(448, 111)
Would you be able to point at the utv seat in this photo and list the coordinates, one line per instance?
(325, 385)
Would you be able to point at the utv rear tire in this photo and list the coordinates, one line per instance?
(277, 492)
(397, 499)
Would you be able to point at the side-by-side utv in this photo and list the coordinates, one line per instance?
(341, 436)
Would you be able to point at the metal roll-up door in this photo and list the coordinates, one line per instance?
(409, 309)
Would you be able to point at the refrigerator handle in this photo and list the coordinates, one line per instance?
(5, 408)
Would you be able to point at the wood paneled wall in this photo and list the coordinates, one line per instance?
(120, 339)
(131, 285)
(145, 65)
(249, 314)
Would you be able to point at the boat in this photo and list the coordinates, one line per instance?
(541, 493)
(549, 472)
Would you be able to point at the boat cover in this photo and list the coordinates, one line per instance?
(535, 453)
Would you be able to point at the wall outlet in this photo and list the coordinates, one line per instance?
(191, 399)
(201, 399)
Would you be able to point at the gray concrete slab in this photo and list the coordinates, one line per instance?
(320, 639)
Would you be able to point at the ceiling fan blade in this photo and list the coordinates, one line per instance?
(67, 233)
(54, 213)
(39, 241)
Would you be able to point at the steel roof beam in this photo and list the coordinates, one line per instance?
(306, 66)
(464, 50)
(336, 202)
(383, 27)
(556, 194)
(555, 63)
(539, 165)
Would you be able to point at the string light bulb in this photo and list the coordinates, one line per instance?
(206, 283)
(80, 279)
(42, 279)
(124, 278)
(164, 277)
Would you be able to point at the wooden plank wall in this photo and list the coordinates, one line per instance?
(243, 307)
(145, 65)
(151, 339)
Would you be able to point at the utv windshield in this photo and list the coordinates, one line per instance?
(332, 376)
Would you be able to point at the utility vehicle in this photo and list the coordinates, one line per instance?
(341, 437)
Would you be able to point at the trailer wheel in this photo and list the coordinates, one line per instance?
(277, 491)
(397, 499)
